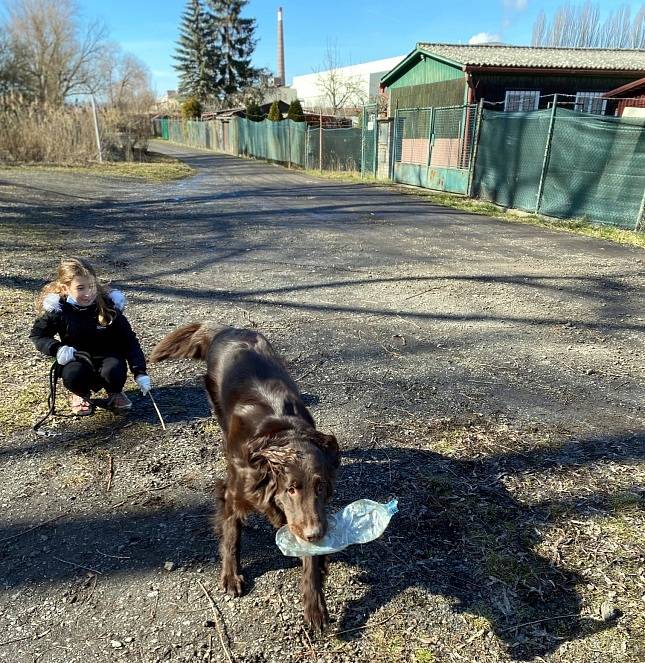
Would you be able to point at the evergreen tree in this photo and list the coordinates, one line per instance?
(194, 53)
(274, 112)
(295, 111)
(233, 39)
(253, 111)
(191, 109)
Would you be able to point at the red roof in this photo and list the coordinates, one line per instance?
(627, 90)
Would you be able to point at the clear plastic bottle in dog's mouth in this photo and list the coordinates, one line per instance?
(359, 522)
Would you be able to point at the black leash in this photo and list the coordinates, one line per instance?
(54, 374)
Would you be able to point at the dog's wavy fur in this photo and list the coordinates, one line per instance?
(278, 464)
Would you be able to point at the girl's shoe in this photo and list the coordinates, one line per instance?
(80, 406)
(119, 402)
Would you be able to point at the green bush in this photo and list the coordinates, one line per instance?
(253, 112)
(191, 109)
(274, 112)
(295, 112)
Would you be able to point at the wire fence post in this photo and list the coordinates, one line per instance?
(375, 130)
(289, 143)
(96, 129)
(640, 217)
(430, 136)
(473, 156)
(547, 154)
(363, 130)
(320, 144)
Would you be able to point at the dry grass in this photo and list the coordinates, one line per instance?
(157, 170)
(31, 133)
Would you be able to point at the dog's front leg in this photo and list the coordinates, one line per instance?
(229, 546)
(313, 599)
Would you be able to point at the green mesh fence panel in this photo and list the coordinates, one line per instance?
(369, 138)
(510, 156)
(341, 148)
(596, 168)
(276, 141)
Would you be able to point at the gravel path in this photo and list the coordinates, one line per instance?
(490, 375)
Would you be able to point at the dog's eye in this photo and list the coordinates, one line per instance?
(320, 488)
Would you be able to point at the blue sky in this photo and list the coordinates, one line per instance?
(362, 30)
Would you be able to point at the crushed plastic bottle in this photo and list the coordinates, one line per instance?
(359, 522)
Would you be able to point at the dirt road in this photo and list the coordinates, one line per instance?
(489, 375)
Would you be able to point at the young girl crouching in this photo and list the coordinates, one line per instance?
(96, 339)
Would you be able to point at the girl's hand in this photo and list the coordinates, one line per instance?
(144, 383)
(65, 354)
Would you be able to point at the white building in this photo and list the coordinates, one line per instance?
(366, 77)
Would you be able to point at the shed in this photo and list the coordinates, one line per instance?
(514, 77)
(630, 99)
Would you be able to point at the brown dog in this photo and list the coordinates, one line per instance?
(277, 462)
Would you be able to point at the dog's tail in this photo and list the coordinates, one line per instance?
(188, 342)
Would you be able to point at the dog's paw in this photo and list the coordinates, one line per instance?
(232, 583)
(316, 617)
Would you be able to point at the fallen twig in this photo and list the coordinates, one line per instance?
(110, 473)
(15, 536)
(215, 610)
(25, 637)
(358, 628)
(537, 621)
(78, 566)
(142, 492)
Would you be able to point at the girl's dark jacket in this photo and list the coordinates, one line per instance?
(78, 327)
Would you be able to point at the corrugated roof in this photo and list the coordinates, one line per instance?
(489, 55)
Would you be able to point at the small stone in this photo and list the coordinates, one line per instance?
(608, 611)
(169, 566)
(116, 644)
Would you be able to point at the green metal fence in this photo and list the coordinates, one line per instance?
(288, 142)
(563, 163)
(433, 147)
(369, 139)
(341, 149)
(276, 141)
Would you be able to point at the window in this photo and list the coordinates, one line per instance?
(590, 102)
(521, 100)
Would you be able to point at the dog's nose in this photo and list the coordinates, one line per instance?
(313, 533)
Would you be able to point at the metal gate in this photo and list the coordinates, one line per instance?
(369, 139)
(434, 147)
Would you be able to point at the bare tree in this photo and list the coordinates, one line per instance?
(124, 80)
(59, 51)
(580, 26)
(337, 88)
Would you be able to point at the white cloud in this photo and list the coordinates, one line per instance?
(518, 5)
(484, 38)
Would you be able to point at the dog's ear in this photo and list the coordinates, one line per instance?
(272, 458)
(329, 444)
(271, 426)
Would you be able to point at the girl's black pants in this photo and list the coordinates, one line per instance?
(107, 373)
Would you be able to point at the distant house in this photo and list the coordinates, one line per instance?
(629, 99)
(240, 111)
(513, 77)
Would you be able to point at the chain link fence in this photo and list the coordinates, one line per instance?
(563, 163)
(288, 142)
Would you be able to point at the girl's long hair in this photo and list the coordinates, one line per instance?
(68, 269)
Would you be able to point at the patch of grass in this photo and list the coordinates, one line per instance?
(424, 656)
(18, 409)
(349, 176)
(472, 206)
(160, 170)
(391, 647)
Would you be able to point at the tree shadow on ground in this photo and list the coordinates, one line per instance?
(461, 534)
